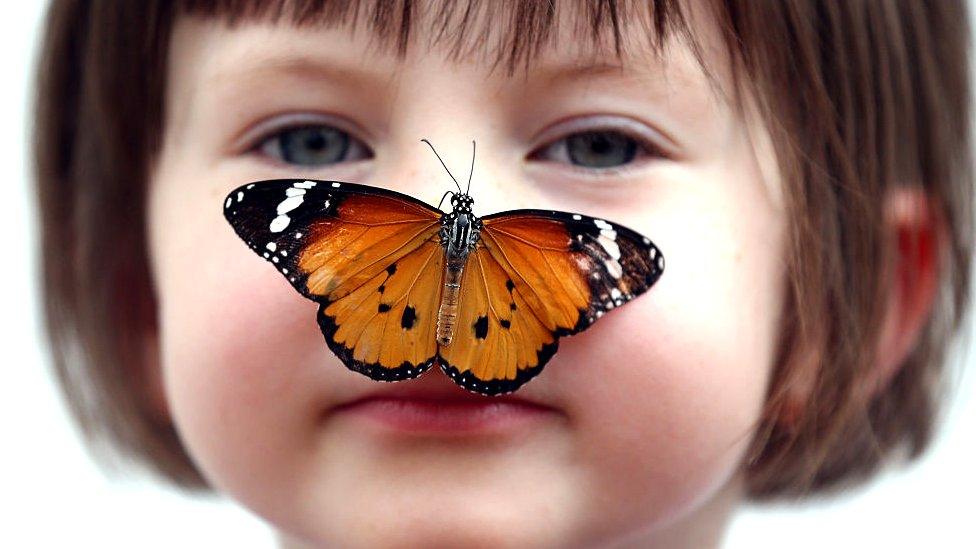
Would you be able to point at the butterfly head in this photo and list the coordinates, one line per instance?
(461, 203)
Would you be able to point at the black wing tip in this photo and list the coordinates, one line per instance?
(374, 371)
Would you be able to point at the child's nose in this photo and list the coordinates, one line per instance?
(494, 178)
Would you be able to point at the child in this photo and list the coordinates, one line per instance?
(803, 165)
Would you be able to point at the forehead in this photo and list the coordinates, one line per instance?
(573, 47)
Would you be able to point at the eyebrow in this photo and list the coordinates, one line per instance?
(306, 66)
(557, 74)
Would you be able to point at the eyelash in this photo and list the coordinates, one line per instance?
(644, 148)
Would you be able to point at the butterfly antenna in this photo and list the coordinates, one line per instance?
(471, 171)
(443, 197)
(442, 163)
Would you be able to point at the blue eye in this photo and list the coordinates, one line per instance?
(314, 145)
(600, 149)
(596, 150)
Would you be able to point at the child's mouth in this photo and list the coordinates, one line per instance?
(418, 411)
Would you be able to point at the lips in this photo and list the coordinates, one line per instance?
(437, 406)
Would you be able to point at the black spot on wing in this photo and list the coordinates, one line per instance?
(383, 308)
(481, 327)
(409, 318)
(505, 323)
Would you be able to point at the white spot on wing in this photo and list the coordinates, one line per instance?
(577, 217)
(615, 293)
(271, 246)
(227, 204)
(240, 195)
(609, 244)
(251, 186)
(279, 223)
(336, 185)
(290, 204)
(613, 267)
(292, 191)
(608, 239)
(304, 185)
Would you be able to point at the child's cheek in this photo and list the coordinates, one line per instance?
(245, 368)
(672, 385)
(232, 351)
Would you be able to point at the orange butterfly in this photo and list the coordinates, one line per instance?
(402, 285)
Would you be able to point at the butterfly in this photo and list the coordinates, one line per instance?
(402, 285)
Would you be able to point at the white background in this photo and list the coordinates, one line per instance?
(52, 494)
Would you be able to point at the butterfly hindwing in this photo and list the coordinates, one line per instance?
(535, 276)
(385, 327)
(370, 257)
(499, 343)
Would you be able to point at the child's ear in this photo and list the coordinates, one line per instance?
(915, 236)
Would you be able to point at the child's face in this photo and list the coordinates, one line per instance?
(654, 406)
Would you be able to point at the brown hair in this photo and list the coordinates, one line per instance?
(859, 97)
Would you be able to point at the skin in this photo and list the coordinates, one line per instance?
(656, 404)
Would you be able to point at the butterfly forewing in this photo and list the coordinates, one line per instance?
(535, 276)
(369, 256)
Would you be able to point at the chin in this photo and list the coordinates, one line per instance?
(440, 528)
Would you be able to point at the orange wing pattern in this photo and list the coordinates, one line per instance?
(536, 276)
(370, 257)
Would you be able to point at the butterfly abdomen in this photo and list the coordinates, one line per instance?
(459, 235)
(450, 302)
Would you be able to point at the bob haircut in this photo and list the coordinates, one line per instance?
(859, 97)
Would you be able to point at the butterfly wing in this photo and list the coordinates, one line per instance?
(534, 277)
(370, 257)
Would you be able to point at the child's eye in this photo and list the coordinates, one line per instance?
(314, 145)
(600, 148)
